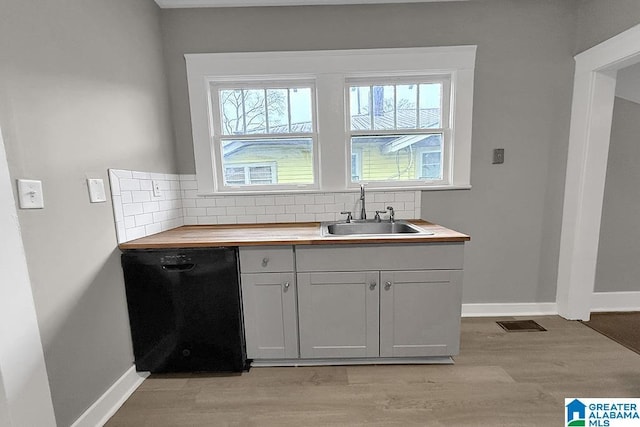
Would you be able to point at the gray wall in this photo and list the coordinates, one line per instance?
(522, 103)
(599, 20)
(82, 89)
(618, 268)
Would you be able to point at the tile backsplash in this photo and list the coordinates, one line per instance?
(139, 213)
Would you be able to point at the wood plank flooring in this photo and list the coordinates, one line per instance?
(499, 379)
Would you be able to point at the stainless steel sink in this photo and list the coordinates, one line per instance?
(359, 227)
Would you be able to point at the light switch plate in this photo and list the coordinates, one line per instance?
(96, 190)
(498, 156)
(30, 194)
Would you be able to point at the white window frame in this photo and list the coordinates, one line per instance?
(216, 135)
(330, 70)
(444, 129)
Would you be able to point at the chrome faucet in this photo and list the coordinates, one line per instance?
(392, 214)
(363, 212)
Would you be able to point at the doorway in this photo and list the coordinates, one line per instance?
(589, 137)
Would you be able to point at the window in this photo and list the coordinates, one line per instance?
(264, 122)
(392, 124)
(331, 120)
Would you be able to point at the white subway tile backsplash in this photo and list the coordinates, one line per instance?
(144, 219)
(138, 213)
(233, 210)
(255, 210)
(305, 217)
(204, 203)
(226, 201)
(245, 201)
(129, 221)
(265, 201)
(132, 209)
(285, 218)
(140, 175)
(152, 229)
(296, 209)
(306, 199)
(129, 184)
(141, 196)
(277, 209)
(222, 211)
(126, 197)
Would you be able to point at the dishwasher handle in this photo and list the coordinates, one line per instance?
(178, 267)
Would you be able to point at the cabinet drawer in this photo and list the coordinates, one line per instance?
(266, 259)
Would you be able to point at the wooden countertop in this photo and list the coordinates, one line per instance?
(303, 233)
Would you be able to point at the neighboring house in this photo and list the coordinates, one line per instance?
(381, 157)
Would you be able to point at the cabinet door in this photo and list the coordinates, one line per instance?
(338, 314)
(270, 319)
(420, 313)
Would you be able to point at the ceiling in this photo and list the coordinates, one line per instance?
(171, 4)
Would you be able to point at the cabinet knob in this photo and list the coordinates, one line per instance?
(372, 285)
(387, 285)
(265, 261)
(286, 285)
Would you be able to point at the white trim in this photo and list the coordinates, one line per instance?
(590, 130)
(330, 68)
(510, 309)
(25, 397)
(615, 301)
(433, 360)
(106, 406)
(173, 4)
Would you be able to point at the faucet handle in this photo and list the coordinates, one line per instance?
(348, 214)
(377, 217)
(391, 214)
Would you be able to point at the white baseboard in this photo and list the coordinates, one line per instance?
(615, 301)
(102, 409)
(510, 309)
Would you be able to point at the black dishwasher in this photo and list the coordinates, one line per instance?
(185, 309)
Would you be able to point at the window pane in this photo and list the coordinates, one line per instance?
(383, 105)
(430, 105)
(406, 101)
(231, 106)
(278, 109)
(266, 111)
(300, 99)
(359, 103)
(398, 157)
(270, 160)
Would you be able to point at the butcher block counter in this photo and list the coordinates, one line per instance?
(307, 233)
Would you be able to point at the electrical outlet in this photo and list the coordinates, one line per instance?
(498, 156)
(156, 188)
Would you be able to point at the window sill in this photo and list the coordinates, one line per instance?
(346, 190)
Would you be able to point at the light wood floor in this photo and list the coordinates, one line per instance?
(499, 379)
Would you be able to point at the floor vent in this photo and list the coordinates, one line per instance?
(520, 326)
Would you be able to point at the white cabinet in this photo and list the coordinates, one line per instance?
(352, 301)
(269, 302)
(338, 314)
(420, 313)
(409, 312)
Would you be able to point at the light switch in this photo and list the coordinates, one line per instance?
(96, 190)
(30, 194)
